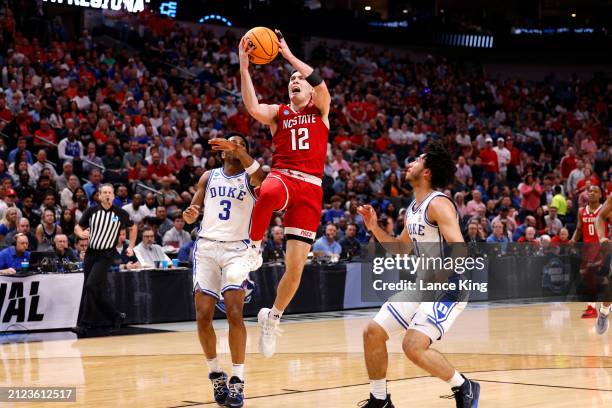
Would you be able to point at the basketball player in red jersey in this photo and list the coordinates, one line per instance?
(604, 218)
(586, 231)
(299, 137)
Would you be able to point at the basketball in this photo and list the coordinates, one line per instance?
(263, 42)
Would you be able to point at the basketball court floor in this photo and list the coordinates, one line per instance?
(540, 355)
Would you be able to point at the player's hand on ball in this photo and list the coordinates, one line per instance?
(368, 213)
(243, 52)
(282, 44)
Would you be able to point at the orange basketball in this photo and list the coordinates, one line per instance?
(263, 44)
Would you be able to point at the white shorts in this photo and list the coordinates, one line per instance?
(217, 266)
(432, 319)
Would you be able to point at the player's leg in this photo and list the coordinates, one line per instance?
(390, 320)
(273, 196)
(96, 290)
(301, 221)
(604, 310)
(207, 289)
(234, 303)
(429, 324)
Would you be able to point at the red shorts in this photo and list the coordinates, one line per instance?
(303, 204)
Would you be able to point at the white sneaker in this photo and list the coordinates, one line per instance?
(253, 258)
(269, 331)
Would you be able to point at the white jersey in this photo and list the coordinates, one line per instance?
(228, 205)
(425, 234)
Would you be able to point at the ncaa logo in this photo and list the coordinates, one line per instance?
(286, 112)
(115, 218)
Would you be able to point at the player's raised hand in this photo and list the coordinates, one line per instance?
(191, 214)
(243, 52)
(370, 219)
(282, 44)
(223, 145)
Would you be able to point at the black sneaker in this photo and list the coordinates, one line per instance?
(467, 395)
(220, 390)
(235, 399)
(376, 403)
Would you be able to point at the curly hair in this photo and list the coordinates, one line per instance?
(440, 163)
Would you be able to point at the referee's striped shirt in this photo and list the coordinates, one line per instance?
(104, 226)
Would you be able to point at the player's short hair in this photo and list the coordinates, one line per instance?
(244, 139)
(440, 164)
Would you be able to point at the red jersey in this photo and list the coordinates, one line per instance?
(300, 140)
(589, 232)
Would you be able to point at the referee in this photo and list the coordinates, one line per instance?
(101, 225)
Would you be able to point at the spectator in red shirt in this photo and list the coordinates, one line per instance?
(176, 161)
(588, 175)
(240, 121)
(382, 143)
(44, 133)
(568, 163)
(489, 161)
(157, 169)
(531, 190)
(356, 111)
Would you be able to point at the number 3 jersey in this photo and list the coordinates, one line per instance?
(228, 205)
(300, 140)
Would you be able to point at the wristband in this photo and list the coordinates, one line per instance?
(314, 79)
(252, 168)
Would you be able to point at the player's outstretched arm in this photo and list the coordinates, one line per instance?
(602, 219)
(401, 244)
(263, 113)
(321, 97)
(224, 145)
(191, 214)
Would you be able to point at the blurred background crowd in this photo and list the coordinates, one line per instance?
(75, 113)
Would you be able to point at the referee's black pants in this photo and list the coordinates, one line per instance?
(96, 300)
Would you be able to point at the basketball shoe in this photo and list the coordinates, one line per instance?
(376, 403)
(466, 396)
(602, 323)
(589, 313)
(253, 258)
(269, 331)
(220, 390)
(235, 399)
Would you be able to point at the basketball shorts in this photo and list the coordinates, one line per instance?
(217, 267)
(432, 319)
(303, 203)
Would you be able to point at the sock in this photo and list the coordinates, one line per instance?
(456, 380)
(238, 371)
(213, 365)
(604, 310)
(275, 314)
(378, 388)
(256, 244)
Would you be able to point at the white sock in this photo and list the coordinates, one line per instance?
(604, 310)
(238, 371)
(456, 380)
(275, 314)
(378, 388)
(213, 365)
(256, 244)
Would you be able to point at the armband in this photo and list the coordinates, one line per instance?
(314, 79)
(252, 168)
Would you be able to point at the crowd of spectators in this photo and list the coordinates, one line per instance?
(74, 114)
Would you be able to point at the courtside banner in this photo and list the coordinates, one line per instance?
(508, 272)
(40, 302)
